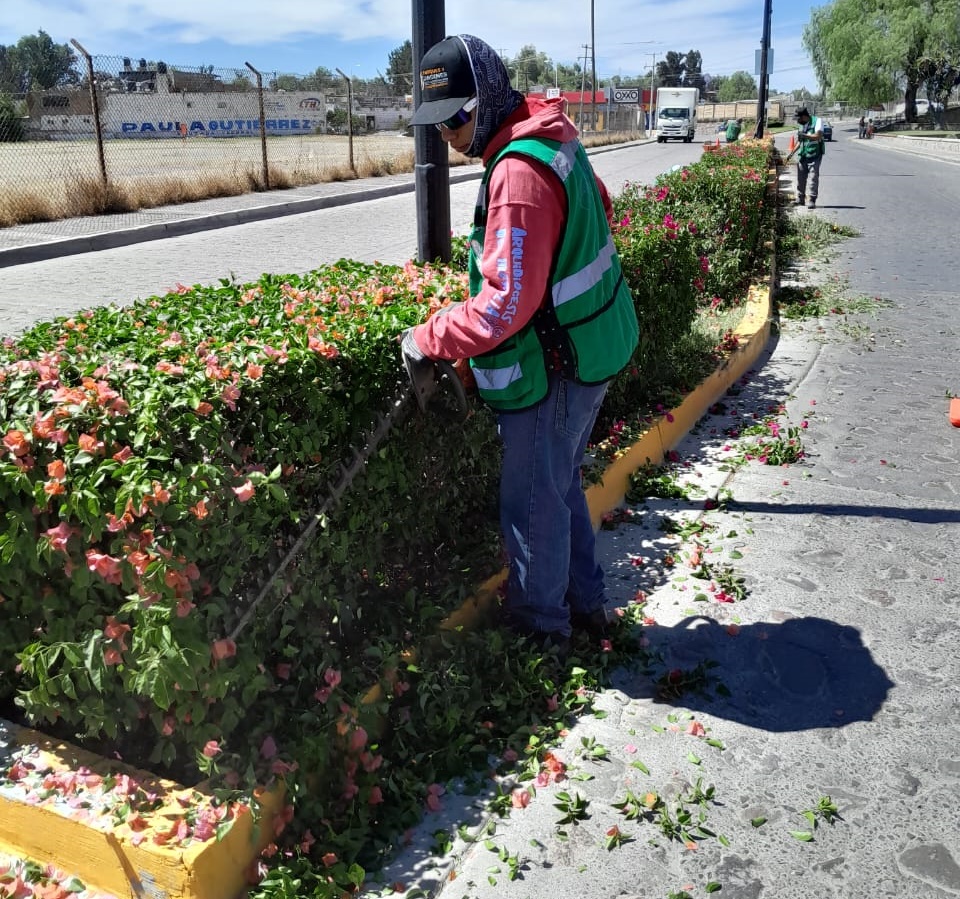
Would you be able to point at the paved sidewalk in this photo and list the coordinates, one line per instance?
(50, 240)
(835, 678)
(815, 748)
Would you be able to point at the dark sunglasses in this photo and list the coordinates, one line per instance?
(460, 117)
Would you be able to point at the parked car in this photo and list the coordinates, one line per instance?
(826, 129)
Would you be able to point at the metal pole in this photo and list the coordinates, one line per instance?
(653, 71)
(583, 77)
(263, 128)
(431, 165)
(95, 102)
(593, 68)
(764, 74)
(349, 119)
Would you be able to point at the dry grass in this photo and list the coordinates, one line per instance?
(78, 195)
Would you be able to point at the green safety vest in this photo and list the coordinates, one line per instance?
(588, 321)
(811, 149)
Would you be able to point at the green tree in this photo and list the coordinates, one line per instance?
(693, 70)
(11, 125)
(35, 62)
(871, 51)
(529, 68)
(286, 83)
(670, 69)
(738, 86)
(400, 70)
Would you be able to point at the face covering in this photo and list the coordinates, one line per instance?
(496, 99)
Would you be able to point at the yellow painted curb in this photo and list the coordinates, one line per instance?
(668, 430)
(117, 858)
(112, 858)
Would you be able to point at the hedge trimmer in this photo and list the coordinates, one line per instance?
(447, 399)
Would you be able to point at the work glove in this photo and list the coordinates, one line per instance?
(422, 371)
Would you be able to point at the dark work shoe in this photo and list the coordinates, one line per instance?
(812, 204)
(800, 201)
(597, 623)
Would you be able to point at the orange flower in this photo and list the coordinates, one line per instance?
(244, 491)
(223, 649)
(17, 443)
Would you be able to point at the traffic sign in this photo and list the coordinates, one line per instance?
(626, 95)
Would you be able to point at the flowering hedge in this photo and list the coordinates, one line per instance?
(158, 460)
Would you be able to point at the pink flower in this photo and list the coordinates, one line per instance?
(116, 631)
(211, 749)
(696, 729)
(244, 491)
(358, 739)
(332, 677)
(268, 748)
(106, 566)
(520, 798)
(283, 670)
(112, 657)
(375, 797)
(223, 649)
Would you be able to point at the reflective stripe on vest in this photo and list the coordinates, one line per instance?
(580, 282)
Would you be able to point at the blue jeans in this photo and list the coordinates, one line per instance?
(546, 524)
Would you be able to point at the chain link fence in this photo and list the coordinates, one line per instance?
(126, 134)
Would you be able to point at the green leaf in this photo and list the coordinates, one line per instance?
(713, 887)
(803, 835)
(758, 822)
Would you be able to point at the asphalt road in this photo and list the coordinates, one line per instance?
(381, 230)
(840, 663)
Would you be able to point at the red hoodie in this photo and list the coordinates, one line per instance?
(525, 198)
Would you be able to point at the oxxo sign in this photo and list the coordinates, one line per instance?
(626, 95)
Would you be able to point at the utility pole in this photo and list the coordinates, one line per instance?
(764, 74)
(593, 69)
(583, 75)
(653, 78)
(431, 163)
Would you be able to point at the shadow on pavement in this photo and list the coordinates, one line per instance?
(800, 674)
(920, 516)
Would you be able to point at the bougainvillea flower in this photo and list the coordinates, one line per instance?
(223, 649)
(244, 491)
(16, 442)
(520, 798)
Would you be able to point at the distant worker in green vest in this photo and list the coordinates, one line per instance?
(810, 138)
(734, 127)
(548, 323)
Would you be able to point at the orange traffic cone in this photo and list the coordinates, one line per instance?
(793, 144)
(955, 411)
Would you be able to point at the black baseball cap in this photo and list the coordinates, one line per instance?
(802, 111)
(446, 82)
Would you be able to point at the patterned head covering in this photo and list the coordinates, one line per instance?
(496, 99)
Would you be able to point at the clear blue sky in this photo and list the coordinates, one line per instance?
(297, 36)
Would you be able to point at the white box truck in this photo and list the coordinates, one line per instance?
(677, 113)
